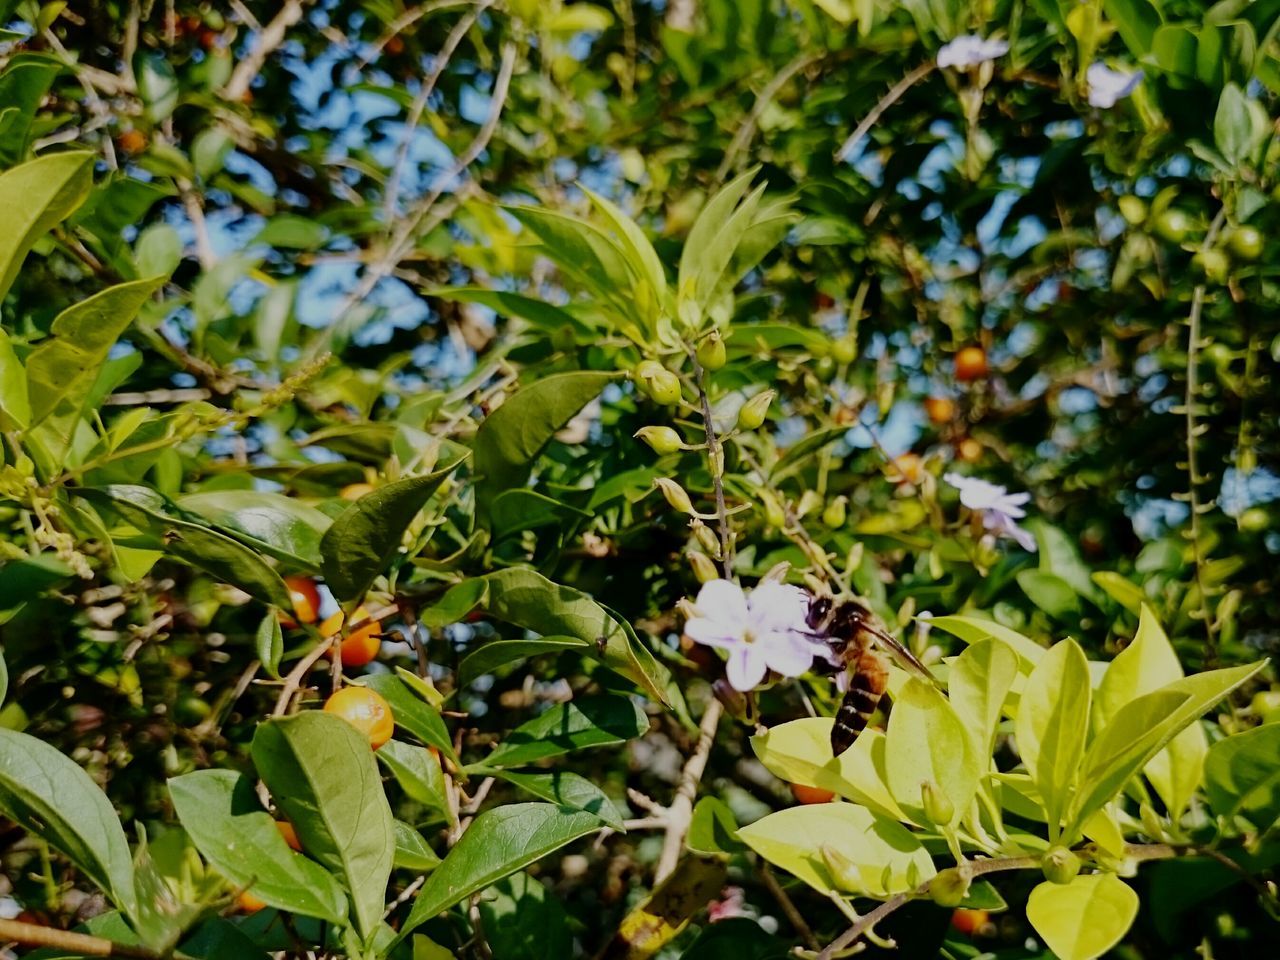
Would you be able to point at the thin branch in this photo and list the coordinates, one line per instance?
(788, 907)
(272, 35)
(34, 935)
(888, 100)
(680, 814)
(715, 460)
(745, 132)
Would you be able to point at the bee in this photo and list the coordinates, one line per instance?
(855, 634)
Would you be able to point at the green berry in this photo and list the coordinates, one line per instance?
(712, 354)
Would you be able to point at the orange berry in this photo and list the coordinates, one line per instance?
(365, 710)
(248, 903)
(394, 46)
(363, 643)
(331, 624)
(305, 598)
(805, 794)
(969, 450)
(132, 142)
(971, 364)
(354, 491)
(906, 468)
(940, 410)
(970, 922)
(290, 835)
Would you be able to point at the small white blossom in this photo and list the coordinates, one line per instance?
(971, 51)
(999, 508)
(767, 630)
(1107, 86)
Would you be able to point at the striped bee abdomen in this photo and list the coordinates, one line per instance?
(866, 687)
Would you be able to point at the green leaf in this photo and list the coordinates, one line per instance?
(514, 511)
(211, 551)
(363, 539)
(973, 629)
(1242, 776)
(499, 842)
(645, 263)
(1240, 125)
(268, 642)
(458, 601)
(542, 315)
(1085, 918)
(524, 921)
(567, 789)
(1050, 593)
(979, 682)
(4, 677)
(927, 741)
(884, 857)
(511, 437)
(526, 598)
(1148, 663)
(283, 527)
(157, 85)
(158, 251)
(705, 231)
(413, 714)
(800, 752)
(292, 233)
(220, 811)
(736, 938)
(713, 829)
(1052, 725)
(23, 86)
(498, 653)
(417, 772)
(62, 368)
(324, 779)
(412, 851)
(1136, 21)
(50, 796)
(34, 197)
(1120, 589)
(584, 722)
(15, 407)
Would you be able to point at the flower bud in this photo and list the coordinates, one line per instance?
(774, 515)
(845, 875)
(810, 501)
(753, 412)
(712, 354)
(735, 702)
(835, 514)
(845, 350)
(675, 495)
(950, 886)
(644, 372)
(662, 440)
(664, 387)
(702, 566)
(707, 538)
(938, 807)
(1060, 865)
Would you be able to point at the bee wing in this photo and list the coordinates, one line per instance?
(904, 657)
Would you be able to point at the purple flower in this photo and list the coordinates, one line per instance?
(761, 632)
(970, 51)
(1107, 86)
(999, 508)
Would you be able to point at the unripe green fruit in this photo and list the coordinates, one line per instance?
(774, 515)
(753, 412)
(190, 710)
(1060, 865)
(664, 387)
(1254, 520)
(950, 886)
(703, 568)
(1172, 225)
(937, 805)
(675, 495)
(712, 354)
(1246, 242)
(1213, 263)
(1266, 704)
(1133, 209)
(644, 372)
(835, 513)
(662, 440)
(845, 350)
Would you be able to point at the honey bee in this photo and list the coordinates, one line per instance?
(855, 635)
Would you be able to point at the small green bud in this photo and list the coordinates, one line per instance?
(1133, 209)
(675, 495)
(1060, 865)
(845, 875)
(835, 514)
(845, 349)
(664, 387)
(753, 412)
(644, 372)
(703, 568)
(938, 807)
(951, 886)
(1213, 263)
(774, 515)
(712, 354)
(662, 440)
(706, 538)
(810, 501)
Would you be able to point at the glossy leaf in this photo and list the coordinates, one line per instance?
(928, 742)
(363, 539)
(524, 921)
(413, 714)
(978, 683)
(585, 722)
(33, 198)
(1085, 918)
(417, 771)
(412, 851)
(1053, 724)
(1242, 776)
(499, 653)
(498, 843)
(713, 829)
(269, 643)
(567, 789)
(281, 526)
(15, 407)
(220, 811)
(973, 629)
(323, 777)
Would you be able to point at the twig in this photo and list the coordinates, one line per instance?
(406, 19)
(34, 935)
(195, 213)
(269, 39)
(745, 132)
(715, 460)
(680, 813)
(788, 907)
(888, 100)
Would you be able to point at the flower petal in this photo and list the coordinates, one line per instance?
(778, 606)
(722, 600)
(711, 633)
(746, 668)
(787, 653)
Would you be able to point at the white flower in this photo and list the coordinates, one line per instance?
(970, 51)
(999, 508)
(767, 630)
(1107, 86)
